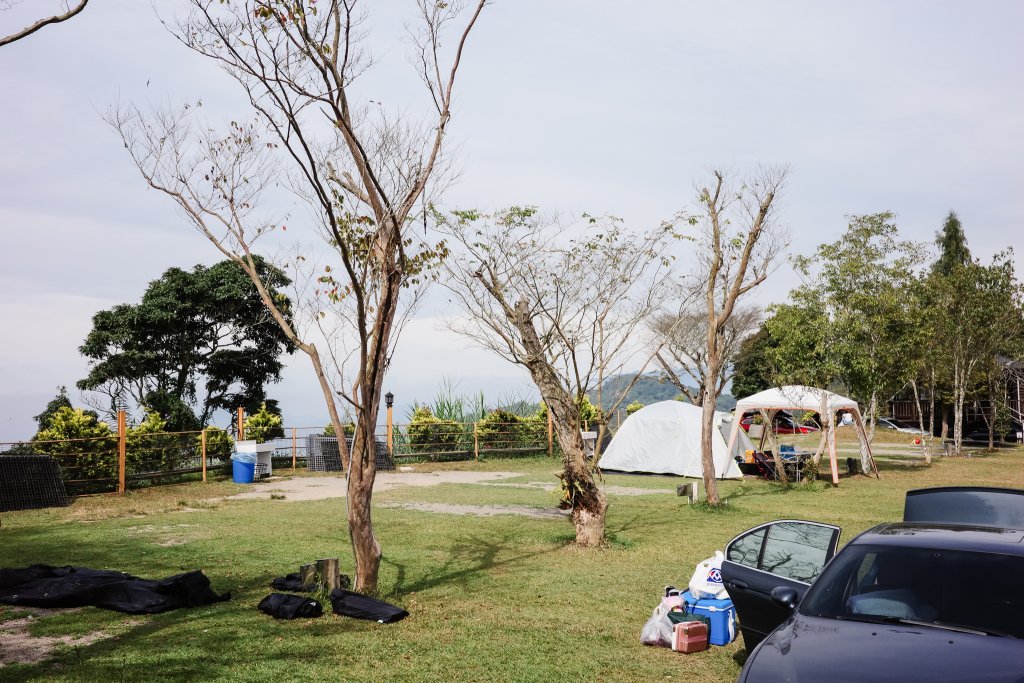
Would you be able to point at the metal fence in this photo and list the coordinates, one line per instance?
(128, 459)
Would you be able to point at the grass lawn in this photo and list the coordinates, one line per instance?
(502, 598)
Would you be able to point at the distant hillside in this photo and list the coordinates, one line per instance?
(648, 390)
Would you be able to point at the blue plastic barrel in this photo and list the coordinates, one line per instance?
(243, 468)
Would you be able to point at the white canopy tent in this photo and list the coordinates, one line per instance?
(664, 438)
(821, 401)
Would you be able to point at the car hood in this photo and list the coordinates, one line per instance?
(809, 649)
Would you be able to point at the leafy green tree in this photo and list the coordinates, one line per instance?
(59, 401)
(952, 244)
(85, 447)
(199, 341)
(975, 313)
(264, 425)
(751, 372)
(862, 285)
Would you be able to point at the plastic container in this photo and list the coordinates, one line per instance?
(243, 468)
(690, 636)
(721, 615)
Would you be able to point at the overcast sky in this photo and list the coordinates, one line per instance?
(603, 107)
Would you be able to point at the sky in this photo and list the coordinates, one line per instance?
(598, 107)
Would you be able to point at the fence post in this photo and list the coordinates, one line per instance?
(241, 423)
(551, 435)
(203, 438)
(122, 449)
(389, 400)
(476, 442)
(295, 450)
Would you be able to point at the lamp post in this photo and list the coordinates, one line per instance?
(389, 401)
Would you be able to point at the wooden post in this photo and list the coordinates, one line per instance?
(391, 433)
(241, 423)
(203, 439)
(551, 435)
(294, 449)
(122, 449)
(328, 573)
(476, 441)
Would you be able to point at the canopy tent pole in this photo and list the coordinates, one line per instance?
(826, 419)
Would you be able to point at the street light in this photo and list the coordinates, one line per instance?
(389, 399)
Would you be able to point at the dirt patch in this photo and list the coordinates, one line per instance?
(18, 646)
(610, 490)
(319, 488)
(483, 510)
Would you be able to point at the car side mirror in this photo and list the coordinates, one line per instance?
(785, 597)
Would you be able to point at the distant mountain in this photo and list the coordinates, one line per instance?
(647, 390)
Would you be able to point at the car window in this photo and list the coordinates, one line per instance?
(923, 585)
(746, 550)
(796, 550)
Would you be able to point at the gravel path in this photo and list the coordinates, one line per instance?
(319, 488)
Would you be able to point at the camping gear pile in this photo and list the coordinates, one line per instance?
(325, 576)
(690, 620)
(41, 585)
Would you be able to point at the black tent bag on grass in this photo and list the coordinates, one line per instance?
(349, 604)
(41, 585)
(284, 606)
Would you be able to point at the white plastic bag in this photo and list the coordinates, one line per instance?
(658, 629)
(706, 581)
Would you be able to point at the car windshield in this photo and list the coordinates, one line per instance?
(947, 588)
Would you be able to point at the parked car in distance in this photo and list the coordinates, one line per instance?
(783, 422)
(977, 432)
(897, 425)
(937, 597)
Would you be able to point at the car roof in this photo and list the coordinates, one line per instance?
(945, 537)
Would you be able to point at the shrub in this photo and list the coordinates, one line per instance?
(93, 457)
(430, 434)
(219, 443)
(263, 425)
(633, 407)
(350, 429)
(501, 429)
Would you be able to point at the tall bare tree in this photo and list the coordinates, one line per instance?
(740, 243)
(360, 167)
(683, 341)
(67, 13)
(567, 310)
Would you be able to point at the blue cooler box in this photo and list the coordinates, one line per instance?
(720, 613)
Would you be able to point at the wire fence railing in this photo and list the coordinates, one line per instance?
(130, 459)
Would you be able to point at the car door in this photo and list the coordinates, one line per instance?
(784, 553)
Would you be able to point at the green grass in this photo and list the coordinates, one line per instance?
(504, 598)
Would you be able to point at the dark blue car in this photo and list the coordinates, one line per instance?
(938, 597)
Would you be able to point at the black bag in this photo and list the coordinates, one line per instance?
(292, 582)
(283, 606)
(349, 604)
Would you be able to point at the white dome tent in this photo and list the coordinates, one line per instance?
(664, 438)
(825, 403)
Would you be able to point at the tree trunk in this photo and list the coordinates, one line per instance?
(769, 428)
(707, 426)
(920, 422)
(931, 405)
(361, 474)
(581, 493)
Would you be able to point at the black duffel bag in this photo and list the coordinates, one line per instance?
(284, 606)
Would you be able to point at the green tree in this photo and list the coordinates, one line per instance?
(862, 286)
(952, 244)
(199, 341)
(59, 401)
(751, 372)
(975, 313)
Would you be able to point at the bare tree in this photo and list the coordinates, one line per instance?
(567, 310)
(360, 167)
(68, 12)
(683, 341)
(741, 240)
